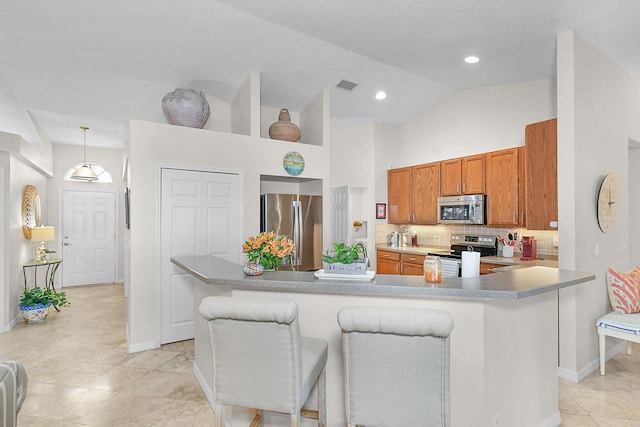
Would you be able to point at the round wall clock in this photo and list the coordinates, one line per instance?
(293, 163)
(608, 202)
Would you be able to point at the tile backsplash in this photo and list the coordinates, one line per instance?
(439, 235)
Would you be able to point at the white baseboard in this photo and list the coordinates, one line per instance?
(553, 421)
(203, 385)
(11, 325)
(592, 366)
(135, 348)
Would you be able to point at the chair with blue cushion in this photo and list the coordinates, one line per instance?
(623, 326)
(260, 361)
(396, 366)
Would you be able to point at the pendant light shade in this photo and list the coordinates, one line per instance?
(84, 173)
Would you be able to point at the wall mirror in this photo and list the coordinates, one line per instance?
(31, 210)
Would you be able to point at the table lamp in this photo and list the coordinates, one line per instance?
(42, 235)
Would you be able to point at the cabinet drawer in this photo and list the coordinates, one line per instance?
(412, 259)
(393, 256)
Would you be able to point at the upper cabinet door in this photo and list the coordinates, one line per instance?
(425, 190)
(399, 196)
(450, 177)
(502, 187)
(473, 174)
(542, 175)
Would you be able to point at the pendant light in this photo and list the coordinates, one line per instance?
(84, 173)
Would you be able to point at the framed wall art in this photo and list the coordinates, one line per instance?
(381, 211)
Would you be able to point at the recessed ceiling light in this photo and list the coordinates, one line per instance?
(471, 59)
(381, 95)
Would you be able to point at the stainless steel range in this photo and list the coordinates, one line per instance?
(486, 245)
(451, 261)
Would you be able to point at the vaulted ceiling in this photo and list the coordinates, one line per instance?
(68, 63)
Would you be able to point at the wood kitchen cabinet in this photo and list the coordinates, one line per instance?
(425, 189)
(450, 176)
(388, 262)
(502, 181)
(399, 196)
(487, 267)
(465, 175)
(522, 195)
(541, 168)
(411, 265)
(412, 194)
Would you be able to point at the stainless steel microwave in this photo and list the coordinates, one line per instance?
(462, 209)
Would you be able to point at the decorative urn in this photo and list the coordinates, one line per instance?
(283, 129)
(186, 107)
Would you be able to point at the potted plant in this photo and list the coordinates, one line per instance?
(345, 259)
(35, 303)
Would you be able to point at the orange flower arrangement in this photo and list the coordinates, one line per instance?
(268, 249)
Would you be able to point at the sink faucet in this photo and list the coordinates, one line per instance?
(364, 251)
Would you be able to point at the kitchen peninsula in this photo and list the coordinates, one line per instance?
(504, 343)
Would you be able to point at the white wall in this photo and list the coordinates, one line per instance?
(598, 110)
(65, 156)
(634, 206)
(21, 165)
(474, 121)
(150, 145)
(353, 160)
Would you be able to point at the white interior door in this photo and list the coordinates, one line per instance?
(88, 237)
(200, 216)
(340, 214)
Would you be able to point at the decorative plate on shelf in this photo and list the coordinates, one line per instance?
(293, 163)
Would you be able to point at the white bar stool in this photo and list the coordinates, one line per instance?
(260, 361)
(396, 363)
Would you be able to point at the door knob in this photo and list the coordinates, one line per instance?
(66, 244)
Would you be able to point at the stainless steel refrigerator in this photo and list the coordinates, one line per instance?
(299, 217)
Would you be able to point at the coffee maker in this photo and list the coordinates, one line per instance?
(529, 251)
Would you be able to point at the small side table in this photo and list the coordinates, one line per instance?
(50, 275)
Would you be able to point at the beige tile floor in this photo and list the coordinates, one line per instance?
(80, 374)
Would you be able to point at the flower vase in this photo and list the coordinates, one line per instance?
(186, 107)
(253, 268)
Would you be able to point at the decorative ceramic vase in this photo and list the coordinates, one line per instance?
(186, 107)
(253, 269)
(283, 129)
(36, 313)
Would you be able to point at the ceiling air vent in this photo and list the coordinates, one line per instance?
(346, 85)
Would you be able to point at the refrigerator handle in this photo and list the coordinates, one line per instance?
(297, 233)
(300, 236)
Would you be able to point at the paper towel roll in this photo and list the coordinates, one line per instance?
(470, 264)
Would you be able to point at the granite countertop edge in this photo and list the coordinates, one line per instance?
(513, 284)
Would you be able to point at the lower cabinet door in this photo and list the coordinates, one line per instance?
(412, 269)
(386, 266)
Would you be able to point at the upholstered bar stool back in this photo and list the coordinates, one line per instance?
(13, 391)
(260, 361)
(396, 363)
